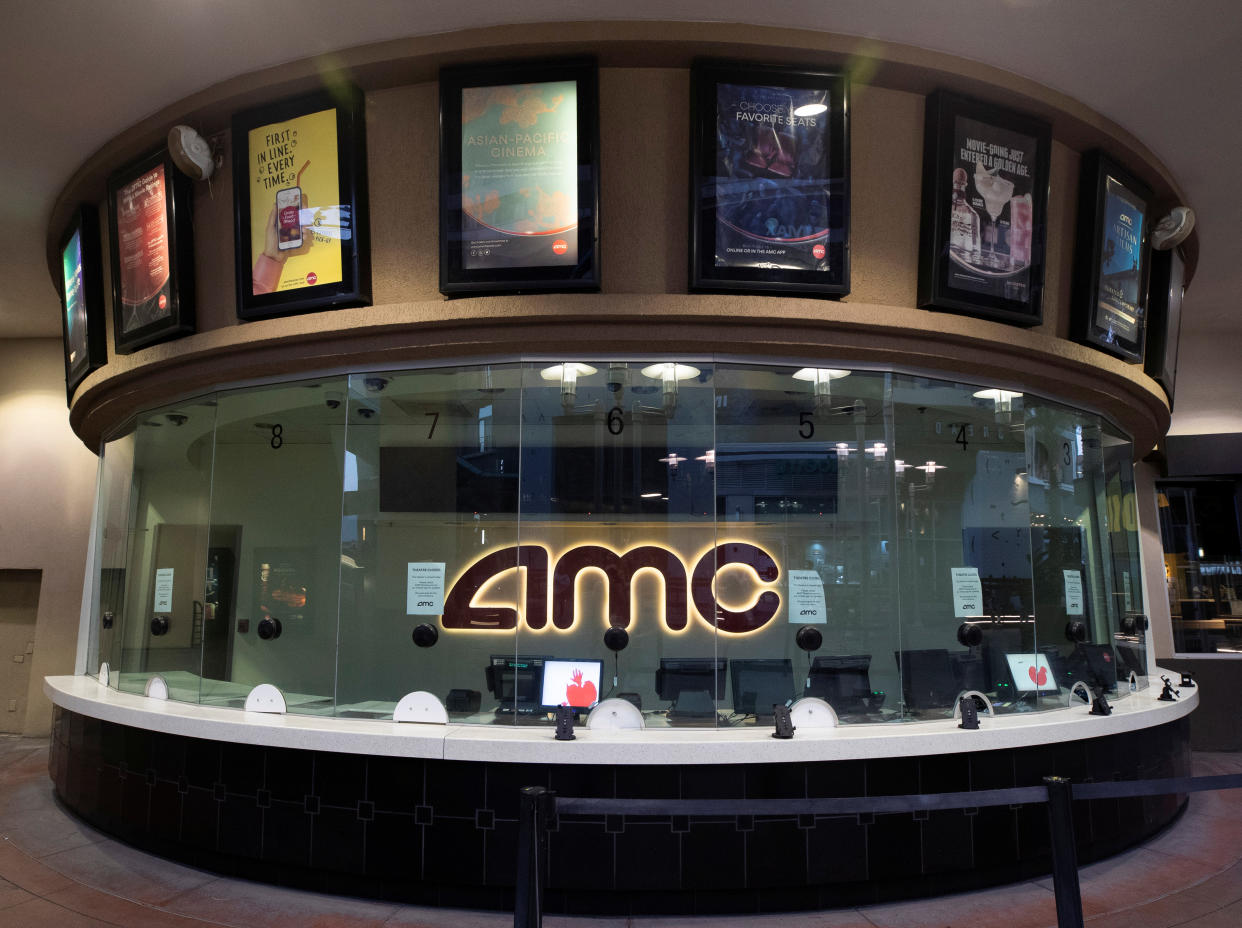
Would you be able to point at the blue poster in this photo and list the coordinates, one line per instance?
(1119, 310)
(772, 178)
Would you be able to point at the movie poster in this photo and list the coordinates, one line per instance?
(519, 175)
(771, 184)
(75, 302)
(281, 584)
(296, 221)
(991, 214)
(142, 245)
(1118, 308)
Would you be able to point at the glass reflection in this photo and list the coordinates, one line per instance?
(703, 540)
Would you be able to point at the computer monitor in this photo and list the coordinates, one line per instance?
(927, 678)
(574, 683)
(1031, 673)
(516, 681)
(1096, 664)
(1132, 658)
(759, 684)
(844, 682)
(678, 675)
(999, 641)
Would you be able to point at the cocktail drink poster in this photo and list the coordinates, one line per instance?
(990, 213)
(519, 175)
(984, 210)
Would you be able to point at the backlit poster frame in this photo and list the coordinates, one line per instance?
(1109, 306)
(82, 300)
(300, 178)
(507, 132)
(1166, 288)
(770, 180)
(978, 157)
(151, 243)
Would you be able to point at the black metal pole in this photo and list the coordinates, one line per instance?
(533, 809)
(1064, 856)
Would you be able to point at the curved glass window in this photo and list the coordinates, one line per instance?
(704, 539)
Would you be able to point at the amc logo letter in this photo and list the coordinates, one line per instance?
(679, 590)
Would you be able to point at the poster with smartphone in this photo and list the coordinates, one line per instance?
(301, 228)
(295, 230)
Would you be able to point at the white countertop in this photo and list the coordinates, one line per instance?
(537, 744)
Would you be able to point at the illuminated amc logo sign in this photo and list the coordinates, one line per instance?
(681, 589)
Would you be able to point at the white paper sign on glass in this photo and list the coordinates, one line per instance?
(1073, 592)
(163, 590)
(424, 588)
(806, 598)
(967, 592)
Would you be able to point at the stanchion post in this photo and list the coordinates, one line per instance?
(1064, 856)
(534, 807)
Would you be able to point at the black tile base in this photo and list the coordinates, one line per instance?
(430, 832)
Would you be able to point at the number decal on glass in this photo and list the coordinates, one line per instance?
(806, 428)
(616, 422)
(435, 419)
(277, 431)
(1066, 457)
(961, 437)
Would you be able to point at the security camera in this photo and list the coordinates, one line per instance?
(332, 399)
(177, 418)
(366, 412)
(375, 384)
(618, 377)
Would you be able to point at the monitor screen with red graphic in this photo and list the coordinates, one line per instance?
(1031, 673)
(571, 683)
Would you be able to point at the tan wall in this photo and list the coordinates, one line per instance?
(45, 508)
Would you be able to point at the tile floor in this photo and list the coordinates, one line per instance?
(57, 871)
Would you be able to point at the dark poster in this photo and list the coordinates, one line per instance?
(1118, 313)
(143, 251)
(991, 214)
(772, 183)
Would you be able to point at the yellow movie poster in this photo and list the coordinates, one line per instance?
(296, 227)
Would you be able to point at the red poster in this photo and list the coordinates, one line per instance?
(142, 232)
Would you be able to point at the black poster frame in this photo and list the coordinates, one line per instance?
(1089, 255)
(706, 76)
(455, 278)
(935, 288)
(85, 224)
(1164, 317)
(354, 287)
(178, 209)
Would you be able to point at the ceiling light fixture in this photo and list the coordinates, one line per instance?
(668, 374)
(821, 378)
(567, 374)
